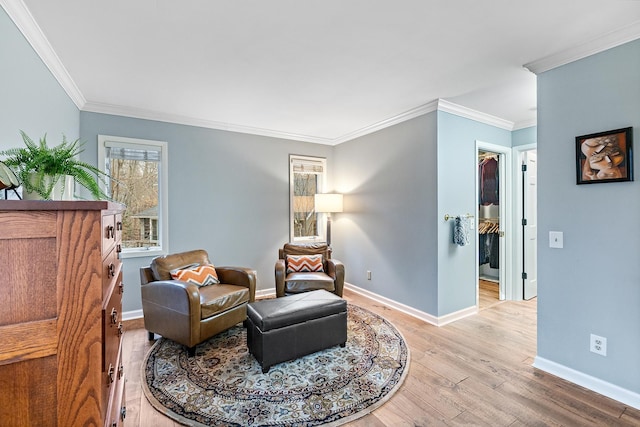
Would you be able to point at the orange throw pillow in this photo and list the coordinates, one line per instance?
(199, 275)
(304, 263)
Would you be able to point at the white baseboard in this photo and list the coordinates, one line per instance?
(426, 317)
(263, 293)
(604, 388)
(132, 315)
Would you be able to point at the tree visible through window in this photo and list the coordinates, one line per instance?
(136, 171)
(307, 175)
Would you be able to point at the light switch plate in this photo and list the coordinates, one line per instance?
(556, 239)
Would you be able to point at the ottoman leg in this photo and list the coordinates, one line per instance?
(191, 351)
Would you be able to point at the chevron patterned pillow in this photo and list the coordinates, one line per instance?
(304, 263)
(199, 275)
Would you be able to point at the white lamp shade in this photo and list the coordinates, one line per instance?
(328, 202)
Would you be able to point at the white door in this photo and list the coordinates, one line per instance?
(502, 248)
(530, 225)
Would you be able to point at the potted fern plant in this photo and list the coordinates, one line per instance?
(47, 172)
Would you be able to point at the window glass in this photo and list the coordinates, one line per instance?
(307, 177)
(137, 169)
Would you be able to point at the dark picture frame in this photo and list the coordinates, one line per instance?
(605, 157)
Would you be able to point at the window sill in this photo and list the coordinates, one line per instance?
(140, 253)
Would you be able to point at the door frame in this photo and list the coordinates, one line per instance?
(518, 196)
(506, 219)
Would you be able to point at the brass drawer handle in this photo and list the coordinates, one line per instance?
(120, 329)
(114, 316)
(111, 271)
(120, 372)
(123, 413)
(119, 226)
(110, 232)
(121, 288)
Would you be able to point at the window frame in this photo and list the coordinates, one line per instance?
(322, 184)
(163, 191)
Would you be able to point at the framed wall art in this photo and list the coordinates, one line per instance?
(604, 157)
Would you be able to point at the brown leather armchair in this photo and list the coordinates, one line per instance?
(186, 313)
(331, 279)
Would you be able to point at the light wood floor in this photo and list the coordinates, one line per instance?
(475, 372)
(489, 294)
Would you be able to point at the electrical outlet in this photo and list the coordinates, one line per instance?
(368, 275)
(598, 345)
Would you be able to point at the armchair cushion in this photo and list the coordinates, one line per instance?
(303, 263)
(303, 282)
(199, 275)
(219, 298)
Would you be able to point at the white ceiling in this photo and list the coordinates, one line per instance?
(321, 71)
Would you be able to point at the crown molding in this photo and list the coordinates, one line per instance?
(402, 117)
(459, 110)
(596, 45)
(525, 124)
(139, 113)
(27, 25)
(436, 105)
(439, 105)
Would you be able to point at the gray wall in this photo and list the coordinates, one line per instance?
(31, 99)
(399, 183)
(593, 284)
(228, 192)
(524, 136)
(390, 184)
(457, 174)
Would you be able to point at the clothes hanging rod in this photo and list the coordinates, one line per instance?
(447, 217)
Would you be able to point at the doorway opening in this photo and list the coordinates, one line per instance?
(494, 209)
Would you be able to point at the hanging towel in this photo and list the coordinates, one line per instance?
(461, 231)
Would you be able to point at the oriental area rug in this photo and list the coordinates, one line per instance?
(223, 385)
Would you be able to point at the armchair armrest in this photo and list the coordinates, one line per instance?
(335, 269)
(239, 276)
(172, 295)
(146, 275)
(280, 275)
(172, 309)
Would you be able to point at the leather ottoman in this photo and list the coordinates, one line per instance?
(289, 327)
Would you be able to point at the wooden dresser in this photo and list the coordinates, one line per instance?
(61, 314)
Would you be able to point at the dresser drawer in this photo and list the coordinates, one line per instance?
(114, 394)
(111, 271)
(112, 328)
(108, 233)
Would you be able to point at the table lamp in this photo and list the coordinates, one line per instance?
(328, 203)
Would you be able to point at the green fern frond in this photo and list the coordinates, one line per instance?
(33, 162)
